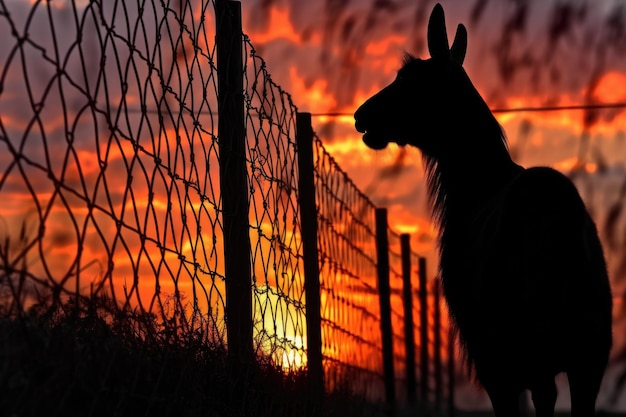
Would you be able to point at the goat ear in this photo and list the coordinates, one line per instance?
(459, 45)
(437, 37)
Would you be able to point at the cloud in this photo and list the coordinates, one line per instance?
(107, 124)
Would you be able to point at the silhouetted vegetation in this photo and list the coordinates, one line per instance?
(89, 358)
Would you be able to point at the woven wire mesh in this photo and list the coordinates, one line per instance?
(108, 150)
(432, 381)
(397, 314)
(417, 311)
(109, 182)
(275, 231)
(351, 334)
(440, 330)
(433, 378)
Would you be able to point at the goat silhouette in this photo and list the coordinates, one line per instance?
(521, 264)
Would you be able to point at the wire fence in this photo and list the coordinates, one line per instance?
(397, 314)
(278, 281)
(348, 280)
(108, 153)
(112, 171)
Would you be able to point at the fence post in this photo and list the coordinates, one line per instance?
(233, 179)
(451, 370)
(382, 250)
(308, 222)
(437, 342)
(409, 335)
(423, 295)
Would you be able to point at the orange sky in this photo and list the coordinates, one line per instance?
(304, 53)
(327, 71)
(329, 62)
(334, 62)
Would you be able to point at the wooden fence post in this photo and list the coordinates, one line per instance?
(423, 295)
(437, 343)
(409, 334)
(451, 370)
(308, 222)
(233, 179)
(382, 250)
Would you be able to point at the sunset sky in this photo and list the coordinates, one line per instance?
(128, 208)
(332, 55)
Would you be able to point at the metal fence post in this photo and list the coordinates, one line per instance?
(382, 250)
(409, 336)
(233, 179)
(423, 295)
(308, 222)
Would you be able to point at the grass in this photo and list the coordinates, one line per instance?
(60, 359)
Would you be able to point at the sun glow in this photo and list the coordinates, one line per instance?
(352, 147)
